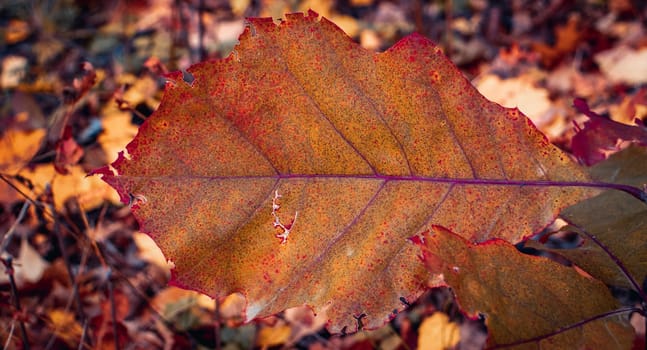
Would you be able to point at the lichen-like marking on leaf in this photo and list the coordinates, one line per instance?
(368, 148)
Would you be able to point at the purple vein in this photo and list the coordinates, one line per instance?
(246, 138)
(317, 261)
(355, 85)
(634, 191)
(350, 224)
(452, 132)
(323, 115)
(567, 328)
(438, 205)
(533, 156)
(494, 141)
(615, 259)
(427, 221)
(386, 125)
(224, 241)
(497, 217)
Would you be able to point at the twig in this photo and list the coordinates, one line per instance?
(15, 188)
(448, 26)
(202, 52)
(124, 105)
(8, 263)
(68, 265)
(86, 226)
(10, 335)
(180, 36)
(83, 334)
(113, 308)
(7, 236)
(217, 325)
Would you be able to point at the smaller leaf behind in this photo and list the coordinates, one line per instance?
(524, 297)
(615, 220)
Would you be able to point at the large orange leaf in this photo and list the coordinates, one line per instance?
(302, 132)
(526, 299)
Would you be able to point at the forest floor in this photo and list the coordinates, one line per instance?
(79, 77)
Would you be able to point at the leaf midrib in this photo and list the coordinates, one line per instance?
(388, 178)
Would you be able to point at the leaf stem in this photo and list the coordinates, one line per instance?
(567, 328)
(615, 259)
(635, 192)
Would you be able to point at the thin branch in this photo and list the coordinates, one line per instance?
(10, 335)
(113, 309)
(201, 31)
(66, 259)
(7, 237)
(36, 204)
(83, 334)
(8, 263)
(86, 226)
(217, 324)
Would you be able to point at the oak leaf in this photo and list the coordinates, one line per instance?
(438, 333)
(294, 170)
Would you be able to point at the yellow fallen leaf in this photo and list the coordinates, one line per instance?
(437, 332)
(272, 336)
(18, 147)
(65, 326)
(88, 191)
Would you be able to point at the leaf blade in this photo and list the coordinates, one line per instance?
(392, 149)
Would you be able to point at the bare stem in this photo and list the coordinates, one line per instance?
(8, 263)
(217, 324)
(201, 31)
(68, 265)
(83, 334)
(113, 309)
(7, 237)
(15, 188)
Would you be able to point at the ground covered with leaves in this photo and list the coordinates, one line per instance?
(79, 78)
